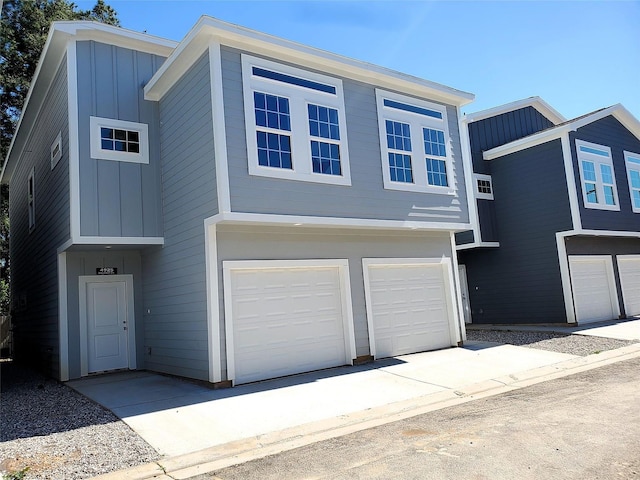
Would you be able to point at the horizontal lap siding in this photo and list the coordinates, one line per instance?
(519, 282)
(365, 198)
(175, 306)
(271, 243)
(34, 266)
(611, 133)
(117, 198)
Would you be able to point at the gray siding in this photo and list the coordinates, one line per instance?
(463, 238)
(85, 263)
(520, 281)
(271, 243)
(117, 199)
(611, 133)
(365, 198)
(34, 254)
(175, 301)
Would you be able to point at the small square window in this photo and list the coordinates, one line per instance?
(484, 186)
(119, 140)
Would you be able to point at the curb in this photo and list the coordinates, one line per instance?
(218, 457)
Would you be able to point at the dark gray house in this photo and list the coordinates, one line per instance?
(231, 208)
(556, 216)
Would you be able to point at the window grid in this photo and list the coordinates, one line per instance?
(434, 142)
(400, 167)
(437, 172)
(272, 111)
(274, 150)
(398, 136)
(590, 190)
(117, 140)
(323, 123)
(484, 186)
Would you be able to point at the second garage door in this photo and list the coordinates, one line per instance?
(629, 268)
(593, 284)
(409, 306)
(285, 318)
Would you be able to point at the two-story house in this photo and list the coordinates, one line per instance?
(230, 208)
(556, 216)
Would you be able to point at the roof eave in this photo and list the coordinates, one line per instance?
(208, 30)
(536, 102)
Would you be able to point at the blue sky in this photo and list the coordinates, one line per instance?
(577, 55)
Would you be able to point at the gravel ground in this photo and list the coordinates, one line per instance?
(59, 434)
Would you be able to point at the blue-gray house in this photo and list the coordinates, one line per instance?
(230, 208)
(556, 216)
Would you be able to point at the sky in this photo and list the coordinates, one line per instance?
(578, 56)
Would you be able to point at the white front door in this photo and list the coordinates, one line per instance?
(106, 314)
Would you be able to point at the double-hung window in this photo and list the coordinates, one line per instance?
(597, 176)
(416, 152)
(295, 123)
(632, 162)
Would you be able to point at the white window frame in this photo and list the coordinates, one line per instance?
(56, 150)
(299, 97)
(597, 160)
(97, 152)
(31, 199)
(632, 162)
(486, 178)
(417, 122)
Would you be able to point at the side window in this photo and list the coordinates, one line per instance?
(295, 123)
(56, 150)
(119, 140)
(31, 199)
(598, 181)
(416, 150)
(632, 162)
(484, 186)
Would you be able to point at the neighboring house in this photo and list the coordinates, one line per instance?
(556, 234)
(231, 208)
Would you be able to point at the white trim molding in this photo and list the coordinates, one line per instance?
(537, 103)
(126, 142)
(213, 301)
(569, 172)
(63, 318)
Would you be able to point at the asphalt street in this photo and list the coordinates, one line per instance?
(584, 426)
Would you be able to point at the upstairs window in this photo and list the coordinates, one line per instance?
(295, 123)
(56, 151)
(484, 186)
(597, 176)
(415, 144)
(632, 162)
(31, 199)
(119, 140)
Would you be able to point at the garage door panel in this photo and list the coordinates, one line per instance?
(286, 320)
(408, 305)
(629, 269)
(591, 280)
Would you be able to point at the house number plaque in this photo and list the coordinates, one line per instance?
(106, 271)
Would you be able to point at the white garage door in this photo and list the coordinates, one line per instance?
(409, 307)
(285, 319)
(594, 291)
(629, 268)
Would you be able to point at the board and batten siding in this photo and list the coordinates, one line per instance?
(278, 243)
(34, 267)
(611, 133)
(366, 197)
(174, 284)
(519, 282)
(117, 199)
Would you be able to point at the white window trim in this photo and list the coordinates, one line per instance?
(31, 203)
(631, 166)
(56, 150)
(298, 97)
(99, 153)
(479, 194)
(418, 157)
(597, 160)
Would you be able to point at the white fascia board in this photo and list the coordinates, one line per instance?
(208, 28)
(86, 240)
(469, 246)
(618, 111)
(536, 102)
(332, 222)
(53, 52)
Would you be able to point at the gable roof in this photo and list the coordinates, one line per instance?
(536, 102)
(52, 55)
(618, 111)
(210, 30)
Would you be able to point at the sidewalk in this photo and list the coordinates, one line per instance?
(202, 430)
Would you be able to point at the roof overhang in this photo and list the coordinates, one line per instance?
(210, 30)
(617, 111)
(60, 34)
(536, 102)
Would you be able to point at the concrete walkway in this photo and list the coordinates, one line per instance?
(202, 429)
